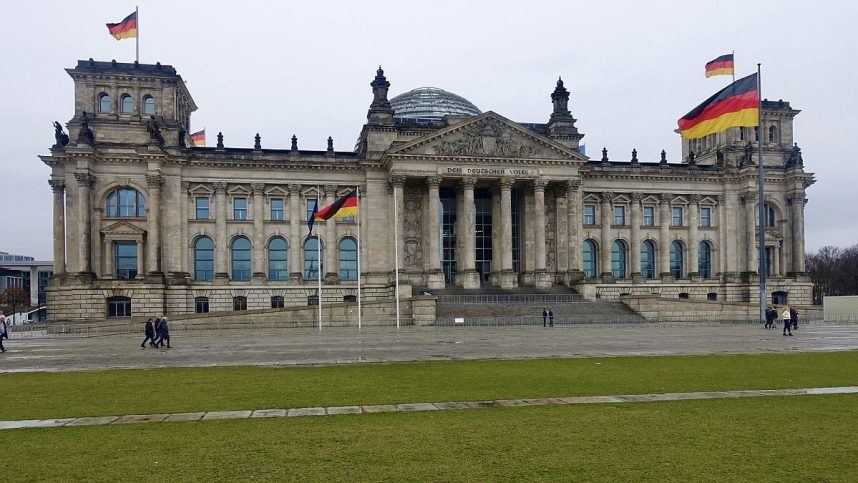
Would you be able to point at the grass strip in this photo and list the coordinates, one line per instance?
(765, 439)
(118, 392)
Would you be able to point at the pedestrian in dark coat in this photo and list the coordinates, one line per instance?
(150, 334)
(165, 332)
(545, 317)
(793, 317)
(158, 339)
(4, 332)
(550, 318)
(770, 317)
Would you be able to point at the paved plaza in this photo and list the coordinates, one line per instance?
(387, 344)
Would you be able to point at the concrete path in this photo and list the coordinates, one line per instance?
(385, 344)
(425, 406)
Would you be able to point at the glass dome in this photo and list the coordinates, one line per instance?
(432, 103)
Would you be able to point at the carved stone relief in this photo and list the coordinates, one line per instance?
(550, 230)
(488, 138)
(413, 228)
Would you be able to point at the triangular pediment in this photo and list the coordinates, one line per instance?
(488, 135)
(123, 228)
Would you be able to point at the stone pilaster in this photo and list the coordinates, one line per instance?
(330, 255)
(749, 200)
(693, 238)
(796, 203)
(664, 219)
(635, 242)
(84, 184)
(541, 278)
(573, 214)
(295, 259)
(96, 256)
(435, 277)
(184, 255)
(58, 186)
(258, 259)
(153, 219)
(606, 238)
(507, 278)
(221, 259)
(467, 275)
(730, 227)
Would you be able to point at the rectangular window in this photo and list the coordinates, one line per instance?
(277, 302)
(706, 217)
(677, 216)
(239, 208)
(311, 202)
(201, 305)
(202, 208)
(277, 208)
(125, 259)
(619, 215)
(589, 214)
(649, 216)
(118, 307)
(239, 303)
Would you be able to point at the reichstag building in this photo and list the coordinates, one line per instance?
(145, 223)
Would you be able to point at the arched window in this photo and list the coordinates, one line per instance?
(771, 216)
(277, 252)
(203, 258)
(149, 105)
(312, 260)
(103, 103)
(589, 259)
(125, 202)
(348, 259)
(125, 104)
(742, 134)
(648, 259)
(618, 259)
(241, 258)
(773, 134)
(704, 259)
(118, 307)
(676, 259)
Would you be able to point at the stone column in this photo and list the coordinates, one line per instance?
(664, 234)
(84, 183)
(153, 218)
(396, 183)
(605, 235)
(109, 268)
(573, 207)
(722, 236)
(797, 202)
(34, 286)
(435, 278)
(467, 273)
(332, 273)
(184, 255)
(693, 238)
(295, 260)
(96, 256)
(221, 265)
(258, 258)
(59, 187)
(749, 200)
(140, 269)
(635, 242)
(732, 231)
(541, 278)
(508, 278)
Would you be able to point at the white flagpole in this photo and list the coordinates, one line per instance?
(761, 194)
(319, 262)
(734, 65)
(360, 322)
(137, 38)
(396, 250)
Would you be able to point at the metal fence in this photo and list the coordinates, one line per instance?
(510, 298)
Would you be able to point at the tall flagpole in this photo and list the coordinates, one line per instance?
(137, 38)
(319, 261)
(357, 193)
(733, 53)
(763, 265)
(396, 250)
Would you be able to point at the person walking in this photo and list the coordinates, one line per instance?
(150, 334)
(770, 317)
(158, 339)
(545, 317)
(4, 332)
(165, 332)
(785, 316)
(793, 317)
(550, 318)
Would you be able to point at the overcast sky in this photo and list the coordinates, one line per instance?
(281, 67)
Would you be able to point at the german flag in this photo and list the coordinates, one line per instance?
(735, 105)
(199, 138)
(720, 66)
(125, 29)
(342, 207)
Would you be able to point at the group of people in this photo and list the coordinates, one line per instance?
(4, 332)
(789, 316)
(157, 332)
(547, 317)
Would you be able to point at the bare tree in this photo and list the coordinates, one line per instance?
(833, 271)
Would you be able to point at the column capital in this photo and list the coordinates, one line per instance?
(572, 185)
(607, 196)
(154, 181)
(637, 197)
(330, 190)
(695, 199)
(506, 183)
(665, 198)
(539, 184)
(220, 187)
(396, 180)
(795, 198)
(294, 188)
(722, 199)
(468, 182)
(84, 179)
(433, 181)
(748, 197)
(257, 188)
(186, 186)
(57, 185)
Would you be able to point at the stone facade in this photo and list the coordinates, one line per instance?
(140, 216)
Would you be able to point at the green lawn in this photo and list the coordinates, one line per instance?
(758, 439)
(117, 392)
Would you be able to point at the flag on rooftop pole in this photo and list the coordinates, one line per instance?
(721, 65)
(127, 28)
(738, 104)
(199, 138)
